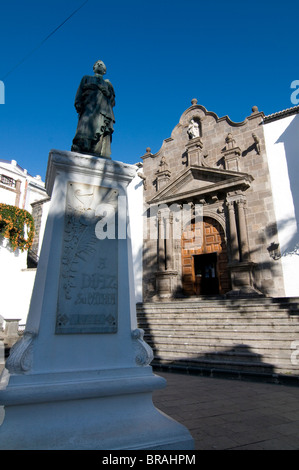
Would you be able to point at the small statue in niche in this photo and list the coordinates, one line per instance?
(94, 103)
(230, 142)
(193, 129)
(163, 164)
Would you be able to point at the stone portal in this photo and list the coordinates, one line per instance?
(204, 259)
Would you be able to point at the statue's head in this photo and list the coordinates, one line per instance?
(99, 67)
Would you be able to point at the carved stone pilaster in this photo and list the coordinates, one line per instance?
(233, 236)
(244, 248)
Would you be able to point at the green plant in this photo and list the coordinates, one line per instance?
(12, 226)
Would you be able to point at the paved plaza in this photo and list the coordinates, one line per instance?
(225, 414)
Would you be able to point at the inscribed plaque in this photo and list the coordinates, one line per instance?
(88, 284)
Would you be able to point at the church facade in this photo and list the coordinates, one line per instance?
(212, 222)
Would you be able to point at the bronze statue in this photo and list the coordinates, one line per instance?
(94, 103)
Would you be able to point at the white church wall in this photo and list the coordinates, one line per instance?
(282, 146)
(135, 211)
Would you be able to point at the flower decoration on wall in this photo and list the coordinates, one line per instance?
(17, 225)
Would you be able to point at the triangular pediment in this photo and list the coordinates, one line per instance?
(199, 181)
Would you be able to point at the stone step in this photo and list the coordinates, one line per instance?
(218, 311)
(264, 355)
(213, 368)
(276, 347)
(227, 365)
(218, 315)
(291, 303)
(219, 318)
(183, 325)
(273, 347)
(202, 331)
(224, 365)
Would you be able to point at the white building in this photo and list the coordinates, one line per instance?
(17, 188)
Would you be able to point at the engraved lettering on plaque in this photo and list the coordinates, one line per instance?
(88, 284)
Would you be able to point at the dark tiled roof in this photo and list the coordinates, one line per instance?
(281, 114)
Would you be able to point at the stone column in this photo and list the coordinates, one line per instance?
(161, 243)
(169, 242)
(166, 277)
(243, 230)
(241, 268)
(233, 232)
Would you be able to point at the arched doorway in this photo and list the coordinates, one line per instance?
(204, 259)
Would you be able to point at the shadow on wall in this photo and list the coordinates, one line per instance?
(289, 138)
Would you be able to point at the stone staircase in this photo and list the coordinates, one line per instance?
(249, 338)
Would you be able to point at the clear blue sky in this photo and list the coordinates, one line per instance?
(230, 55)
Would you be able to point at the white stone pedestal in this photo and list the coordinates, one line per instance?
(80, 376)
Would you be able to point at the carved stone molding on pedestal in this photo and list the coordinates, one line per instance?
(20, 358)
(144, 353)
(163, 174)
(231, 154)
(166, 284)
(242, 280)
(194, 149)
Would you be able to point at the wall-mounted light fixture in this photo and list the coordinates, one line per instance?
(274, 251)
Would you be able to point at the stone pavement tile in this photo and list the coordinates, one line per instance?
(252, 435)
(218, 443)
(255, 446)
(292, 415)
(274, 444)
(288, 429)
(235, 429)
